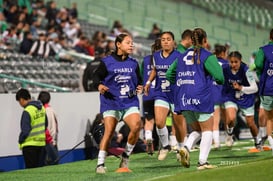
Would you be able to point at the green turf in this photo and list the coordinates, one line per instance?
(233, 164)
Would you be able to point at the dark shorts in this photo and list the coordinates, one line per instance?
(148, 107)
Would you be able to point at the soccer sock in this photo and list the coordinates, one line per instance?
(192, 139)
(270, 140)
(163, 136)
(216, 137)
(262, 131)
(180, 145)
(173, 141)
(230, 130)
(148, 135)
(185, 139)
(205, 146)
(128, 149)
(101, 157)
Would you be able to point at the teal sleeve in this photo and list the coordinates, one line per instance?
(214, 69)
(259, 62)
(171, 72)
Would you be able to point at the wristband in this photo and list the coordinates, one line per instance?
(148, 82)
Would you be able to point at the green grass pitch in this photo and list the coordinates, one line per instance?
(233, 164)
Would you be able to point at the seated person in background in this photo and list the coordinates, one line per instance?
(27, 42)
(40, 47)
(155, 32)
(81, 46)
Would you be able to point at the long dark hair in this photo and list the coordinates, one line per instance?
(198, 35)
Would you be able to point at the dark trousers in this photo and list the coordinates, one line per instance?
(51, 157)
(32, 156)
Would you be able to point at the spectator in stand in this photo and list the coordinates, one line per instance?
(55, 47)
(155, 32)
(91, 48)
(34, 29)
(110, 47)
(82, 45)
(117, 28)
(99, 39)
(25, 5)
(26, 44)
(11, 14)
(63, 55)
(40, 47)
(3, 23)
(10, 35)
(62, 15)
(51, 12)
(73, 12)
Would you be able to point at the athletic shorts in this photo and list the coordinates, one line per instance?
(161, 103)
(192, 116)
(120, 115)
(216, 106)
(246, 111)
(149, 110)
(266, 102)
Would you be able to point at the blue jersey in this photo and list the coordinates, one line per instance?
(163, 88)
(216, 88)
(193, 83)
(147, 67)
(266, 78)
(229, 93)
(122, 82)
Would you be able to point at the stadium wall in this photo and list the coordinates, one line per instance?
(73, 111)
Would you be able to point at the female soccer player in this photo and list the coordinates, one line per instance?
(163, 94)
(118, 80)
(264, 69)
(194, 72)
(239, 93)
(148, 100)
(221, 54)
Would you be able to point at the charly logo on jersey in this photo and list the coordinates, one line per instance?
(180, 82)
(122, 78)
(187, 78)
(161, 74)
(186, 101)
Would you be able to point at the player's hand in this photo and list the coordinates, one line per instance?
(139, 89)
(236, 86)
(102, 89)
(146, 89)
